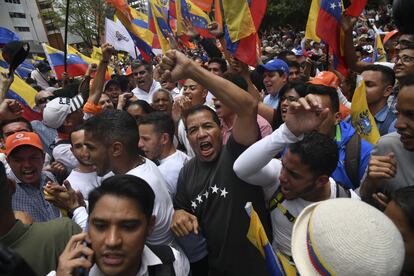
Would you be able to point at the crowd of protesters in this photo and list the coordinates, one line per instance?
(149, 172)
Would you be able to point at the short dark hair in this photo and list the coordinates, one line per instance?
(387, 74)
(75, 129)
(221, 61)
(300, 88)
(292, 63)
(325, 90)
(199, 108)
(146, 107)
(237, 80)
(110, 125)
(283, 55)
(318, 151)
(137, 63)
(404, 198)
(127, 186)
(3, 123)
(161, 121)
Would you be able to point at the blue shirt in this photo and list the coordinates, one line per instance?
(272, 101)
(380, 119)
(30, 199)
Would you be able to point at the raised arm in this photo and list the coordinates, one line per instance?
(347, 24)
(176, 66)
(99, 81)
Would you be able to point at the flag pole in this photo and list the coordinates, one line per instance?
(65, 50)
(327, 57)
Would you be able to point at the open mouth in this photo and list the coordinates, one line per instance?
(206, 148)
(29, 172)
(113, 259)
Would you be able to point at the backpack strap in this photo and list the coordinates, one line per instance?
(341, 191)
(387, 122)
(352, 158)
(166, 255)
(276, 202)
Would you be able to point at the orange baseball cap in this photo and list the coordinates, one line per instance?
(128, 71)
(325, 78)
(22, 139)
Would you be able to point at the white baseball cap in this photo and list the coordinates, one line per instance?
(59, 108)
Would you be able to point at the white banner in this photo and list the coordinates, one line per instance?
(117, 35)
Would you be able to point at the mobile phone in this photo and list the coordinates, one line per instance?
(80, 270)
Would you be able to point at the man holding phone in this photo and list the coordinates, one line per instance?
(120, 220)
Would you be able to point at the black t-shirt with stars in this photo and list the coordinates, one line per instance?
(212, 192)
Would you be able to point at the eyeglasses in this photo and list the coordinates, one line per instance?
(404, 59)
(289, 99)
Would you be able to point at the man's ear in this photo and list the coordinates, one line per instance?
(321, 181)
(151, 225)
(117, 149)
(165, 138)
(388, 90)
(337, 117)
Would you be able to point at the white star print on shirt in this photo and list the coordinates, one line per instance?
(224, 193)
(193, 204)
(215, 189)
(199, 199)
(206, 194)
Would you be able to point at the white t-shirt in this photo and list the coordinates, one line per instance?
(144, 95)
(84, 182)
(163, 207)
(282, 227)
(170, 168)
(257, 166)
(182, 138)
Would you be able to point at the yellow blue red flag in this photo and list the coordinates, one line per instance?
(244, 49)
(137, 24)
(22, 92)
(188, 10)
(76, 66)
(257, 236)
(158, 14)
(362, 119)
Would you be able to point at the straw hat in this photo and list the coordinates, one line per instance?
(346, 237)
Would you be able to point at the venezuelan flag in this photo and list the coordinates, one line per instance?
(188, 10)
(96, 53)
(244, 49)
(89, 60)
(76, 66)
(362, 120)
(239, 20)
(310, 32)
(22, 92)
(257, 236)
(137, 24)
(205, 5)
(379, 52)
(23, 70)
(158, 20)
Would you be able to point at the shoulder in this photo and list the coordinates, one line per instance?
(58, 228)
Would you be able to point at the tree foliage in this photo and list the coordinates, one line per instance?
(86, 18)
